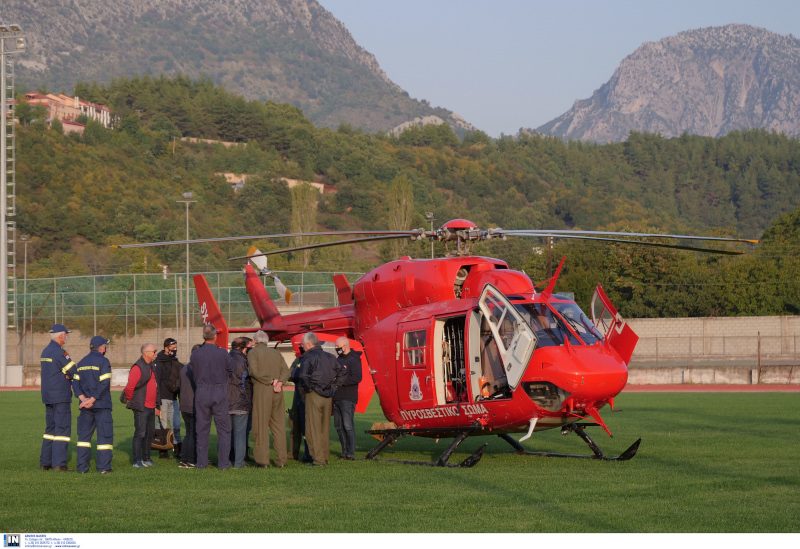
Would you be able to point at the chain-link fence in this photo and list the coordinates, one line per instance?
(134, 308)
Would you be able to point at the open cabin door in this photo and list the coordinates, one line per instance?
(514, 337)
(618, 334)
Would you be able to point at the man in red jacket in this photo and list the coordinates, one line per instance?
(143, 399)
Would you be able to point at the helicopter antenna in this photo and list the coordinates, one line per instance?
(550, 287)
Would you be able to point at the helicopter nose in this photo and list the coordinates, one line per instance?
(578, 382)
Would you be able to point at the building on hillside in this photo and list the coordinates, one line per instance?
(72, 127)
(236, 181)
(65, 108)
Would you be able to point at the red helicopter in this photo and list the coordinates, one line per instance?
(463, 345)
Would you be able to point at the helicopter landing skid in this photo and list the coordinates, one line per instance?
(391, 435)
(579, 429)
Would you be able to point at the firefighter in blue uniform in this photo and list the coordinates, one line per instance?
(57, 371)
(92, 385)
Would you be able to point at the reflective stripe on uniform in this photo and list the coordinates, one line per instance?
(88, 368)
(69, 365)
(105, 376)
(47, 360)
(77, 377)
(60, 439)
(49, 437)
(105, 447)
(85, 444)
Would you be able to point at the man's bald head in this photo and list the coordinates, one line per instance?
(344, 344)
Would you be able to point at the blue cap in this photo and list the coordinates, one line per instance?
(58, 328)
(97, 342)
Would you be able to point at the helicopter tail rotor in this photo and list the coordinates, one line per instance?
(260, 263)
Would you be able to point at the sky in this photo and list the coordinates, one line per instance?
(508, 64)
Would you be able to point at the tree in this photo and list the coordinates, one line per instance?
(401, 212)
(304, 217)
(24, 112)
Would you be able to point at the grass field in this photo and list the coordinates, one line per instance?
(708, 463)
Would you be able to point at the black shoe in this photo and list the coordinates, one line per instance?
(163, 454)
(176, 451)
(106, 471)
(260, 466)
(63, 468)
(45, 467)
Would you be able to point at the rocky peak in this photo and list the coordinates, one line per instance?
(704, 81)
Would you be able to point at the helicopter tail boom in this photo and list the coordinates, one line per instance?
(266, 311)
(209, 310)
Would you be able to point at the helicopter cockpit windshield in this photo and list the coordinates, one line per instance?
(579, 322)
(550, 328)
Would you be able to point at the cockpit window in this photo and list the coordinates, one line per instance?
(549, 328)
(579, 322)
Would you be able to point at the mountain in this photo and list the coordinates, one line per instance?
(705, 82)
(291, 51)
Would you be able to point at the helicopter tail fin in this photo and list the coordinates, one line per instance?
(209, 310)
(343, 289)
(265, 309)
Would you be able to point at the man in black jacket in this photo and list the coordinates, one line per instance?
(240, 401)
(168, 375)
(346, 397)
(318, 376)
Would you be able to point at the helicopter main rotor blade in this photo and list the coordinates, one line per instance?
(656, 244)
(323, 245)
(566, 232)
(393, 234)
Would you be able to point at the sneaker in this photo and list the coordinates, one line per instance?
(139, 465)
(149, 463)
(185, 465)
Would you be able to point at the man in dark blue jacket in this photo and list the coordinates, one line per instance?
(92, 385)
(187, 389)
(57, 371)
(346, 397)
(212, 367)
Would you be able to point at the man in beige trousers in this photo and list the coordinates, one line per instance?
(268, 371)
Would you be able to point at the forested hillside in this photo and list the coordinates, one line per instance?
(76, 195)
(287, 51)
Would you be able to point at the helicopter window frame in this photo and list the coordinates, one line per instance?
(414, 348)
(515, 338)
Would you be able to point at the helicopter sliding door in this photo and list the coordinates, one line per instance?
(513, 337)
(619, 336)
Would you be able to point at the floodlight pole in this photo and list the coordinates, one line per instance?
(16, 44)
(187, 199)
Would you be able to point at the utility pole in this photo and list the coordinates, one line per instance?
(187, 199)
(11, 42)
(429, 217)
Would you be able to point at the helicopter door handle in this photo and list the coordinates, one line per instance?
(427, 379)
(397, 355)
